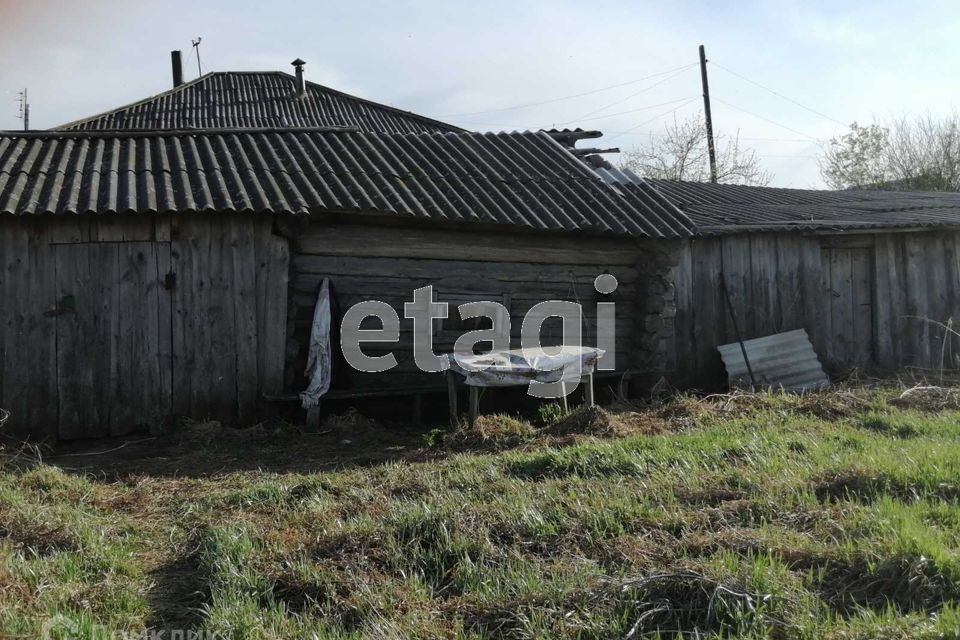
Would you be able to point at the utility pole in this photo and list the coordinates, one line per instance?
(196, 47)
(706, 112)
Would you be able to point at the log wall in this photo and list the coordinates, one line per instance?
(518, 270)
(863, 299)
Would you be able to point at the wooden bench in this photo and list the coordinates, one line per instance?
(473, 406)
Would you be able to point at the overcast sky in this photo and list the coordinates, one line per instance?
(471, 63)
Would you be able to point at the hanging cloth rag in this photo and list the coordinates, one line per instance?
(319, 359)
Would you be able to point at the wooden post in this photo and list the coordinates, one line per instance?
(711, 150)
(313, 418)
(588, 391)
(417, 410)
(474, 404)
(452, 398)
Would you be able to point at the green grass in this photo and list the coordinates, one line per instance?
(834, 515)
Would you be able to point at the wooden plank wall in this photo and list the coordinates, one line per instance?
(382, 263)
(179, 316)
(769, 278)
(861, 297)
(229, 320)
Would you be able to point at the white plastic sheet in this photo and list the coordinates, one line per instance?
(319, 358)
(521, 366)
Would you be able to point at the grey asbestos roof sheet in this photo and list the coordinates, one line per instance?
(238, 99)
(523, 179)
(723, 208)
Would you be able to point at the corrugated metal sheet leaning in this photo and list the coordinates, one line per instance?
(233, 99)
(782, 361)
(522, 179)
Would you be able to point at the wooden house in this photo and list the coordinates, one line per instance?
(163, 259)
(872, 276)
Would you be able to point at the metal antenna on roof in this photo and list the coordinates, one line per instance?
(24, 113)
(196, 47)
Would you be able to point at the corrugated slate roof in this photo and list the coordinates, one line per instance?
(525, 179)
(241, 99)
(726, 208)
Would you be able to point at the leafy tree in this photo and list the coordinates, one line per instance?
(681, 153)
(857, 159)
(921, 154)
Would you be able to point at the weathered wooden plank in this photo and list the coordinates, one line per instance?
(762, 286)
(219, 323)
(736, 263)
(685, 337)
(272, 283)
(138, 228)
(243, 291)
(183, 266)
(162, 228)
(401, 285)
(814, 299)
(164, 294)
(75, 349)
(861, 271)
(938, 303)
(101, 300)
(883, 311)
(399, 242)
(952, 241)
(898, 298)
(841, 308)
(70, 229)
(141, 389)
(107, 229)
(916, 284)
(332, 266)
(709, 303)
(14, 260)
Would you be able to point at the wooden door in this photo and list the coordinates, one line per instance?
(848, 284)
(113, 328)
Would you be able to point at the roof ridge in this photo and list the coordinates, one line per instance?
(53, 134)
(215, 131)
(378, 104)
(162, 94)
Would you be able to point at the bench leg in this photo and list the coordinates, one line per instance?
(452, 398)
(563, 396)
(588, 390)
(474, 404)
(417, 410)
(313, 418)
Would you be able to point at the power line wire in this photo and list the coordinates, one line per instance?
(557, 124)
(665, 113)
(562, 98)
(773, 122)
(620, 113)
(778, 94)
(632, 95)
